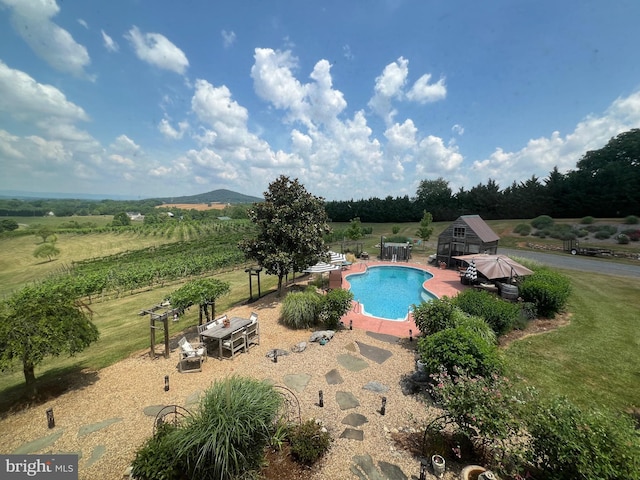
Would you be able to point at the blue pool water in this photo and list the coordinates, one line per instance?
(389, 291)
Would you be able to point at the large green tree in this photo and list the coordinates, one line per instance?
(291, 224)
(435, 196)
(40, 321)
(203, 292)
(46, 250)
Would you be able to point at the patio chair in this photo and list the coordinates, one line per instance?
(252, 333)
(191, 353)
(234, 343)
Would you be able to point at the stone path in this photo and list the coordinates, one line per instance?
(363, 466)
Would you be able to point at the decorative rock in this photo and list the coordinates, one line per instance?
(352, 434)
(351, 363)
(391, 471)
(354, 420)
(300, 347)
(333, 377)
(38, 443)
(152, 410)
(376, 387)
(94, 427)
(346, 400)
(96, 454)
(383, 337)
(281, 353)
(322, 334)
(297, 382)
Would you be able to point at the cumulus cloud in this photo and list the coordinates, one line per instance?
(125, 145)
(389, 86)
(424, 92)
(109, 43)
(33, 22)
(228, 38)
(157, 50)
(168, 131)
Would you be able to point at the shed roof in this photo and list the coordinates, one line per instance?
(480, 227)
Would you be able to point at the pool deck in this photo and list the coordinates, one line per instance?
(444, 282)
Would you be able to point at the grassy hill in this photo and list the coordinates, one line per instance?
(216, 196)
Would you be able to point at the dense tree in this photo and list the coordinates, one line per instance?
(354, 230)
(45, 233)
(121, 219)
(291, 223)
(435, 197)
(40, 321)
(8, 225)
(203, 292)
(46, 250)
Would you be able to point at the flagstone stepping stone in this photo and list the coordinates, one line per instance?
(297, 381)
(357, 472)
(365, 464)
(384, 337)
(376, 354)
(96, 454)
(351, 347)
(94, 427)
(333, 377)
(351, 363)
(354, 420)
(391, 471)
(352, 434)
(38, 444)
(376, 387)
(346, 400)
(152, 410)
(193, 399)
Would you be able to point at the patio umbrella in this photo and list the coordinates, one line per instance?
(337, 258)
(496, 266)
(321, 267)
(472, 273)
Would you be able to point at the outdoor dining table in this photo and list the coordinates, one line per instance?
(220, 333)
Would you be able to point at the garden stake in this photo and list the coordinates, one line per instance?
(166, 383)
(275, 356)
(383, 409)
(320, 399)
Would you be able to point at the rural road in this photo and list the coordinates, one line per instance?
(576, 262)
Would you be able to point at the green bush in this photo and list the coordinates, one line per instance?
(542, 222)
(227, 436)
(631, 220)
(587, 220)
(435, 315)
(478, 326)
(300, 309)
(500, 314)
(547, 290)
(602, 234)
(622, 239)
(458, 349)
(334, 305)
(309, 442)
(632, 233)
(570, 443)
(156, 459)
(523, 229)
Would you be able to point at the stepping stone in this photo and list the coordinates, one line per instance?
(96, 454)
(357, 472)
(333, 377)
(351, 363)
(352, 434)
(383, 337)
(355, 419)
(351, 347)
(193, 399)
(376, 387)
(152, 410)
(346, 400)
(391, 471)
(94, 427)
(378, 355)
(297, 381)
(38, 444)
(365, 464)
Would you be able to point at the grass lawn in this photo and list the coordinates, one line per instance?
(593, 360)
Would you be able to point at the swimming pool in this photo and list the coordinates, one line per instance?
(388, 292)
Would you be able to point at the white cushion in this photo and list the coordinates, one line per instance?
(211, 325)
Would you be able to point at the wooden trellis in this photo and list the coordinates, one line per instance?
(159, 321)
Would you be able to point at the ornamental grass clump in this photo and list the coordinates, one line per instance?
(300, 309)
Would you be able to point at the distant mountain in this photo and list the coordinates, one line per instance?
(215, 196)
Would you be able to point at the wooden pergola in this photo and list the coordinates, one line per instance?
(159, 321)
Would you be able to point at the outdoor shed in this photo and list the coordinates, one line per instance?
(468, 234)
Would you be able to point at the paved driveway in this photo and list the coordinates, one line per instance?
(576, 262)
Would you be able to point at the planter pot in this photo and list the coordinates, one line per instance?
(476, 472)
(420, 366)
(437, 462)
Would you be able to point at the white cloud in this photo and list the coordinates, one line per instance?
(228, 38)
(389, 86)
(458, 129)
(109, 43)
(425, 92)
(32, 21)
(172, 133)
(157, 50)
(121, 161)
(125, 145)
(9, 145)
(83, 23)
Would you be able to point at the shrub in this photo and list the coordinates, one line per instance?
(300, 309)
(498, 313)
(547, 290)
(395, 229)
(333, 306)
(435, 315)
(457, 348)
(631, 220)
(633, 234)
(309, 442)
(622, 239)
(397, 239)
(156, 459)
(569, 443)
(602, 234)
(228, 435)
(523, 229)
(542, 222)
(587, 220)
(582, 233)
(478, 326)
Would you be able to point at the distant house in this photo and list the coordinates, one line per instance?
(135, 216)
(468, 234)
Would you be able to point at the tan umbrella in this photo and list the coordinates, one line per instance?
(496, 266)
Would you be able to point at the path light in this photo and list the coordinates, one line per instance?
(350, 324)
(383, 408)
(320, 399)
(410, 335)
(275, 356)
(166, 383)
(424, 463)
(51, 422)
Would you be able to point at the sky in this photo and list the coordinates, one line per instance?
(356, 99)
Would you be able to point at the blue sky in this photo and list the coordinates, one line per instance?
(356, 99)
